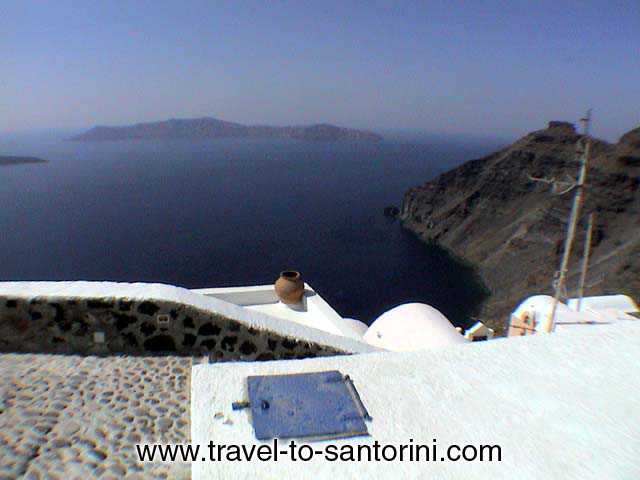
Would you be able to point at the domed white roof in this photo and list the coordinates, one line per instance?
(412, 326)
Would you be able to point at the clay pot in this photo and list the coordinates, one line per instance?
(289, 287)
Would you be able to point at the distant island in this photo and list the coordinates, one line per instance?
(14, 160)
(198, 128)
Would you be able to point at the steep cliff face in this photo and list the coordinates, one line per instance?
(492, 213)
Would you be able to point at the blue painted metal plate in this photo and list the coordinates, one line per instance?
(318, 405)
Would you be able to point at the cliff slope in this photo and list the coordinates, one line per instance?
(490, 212)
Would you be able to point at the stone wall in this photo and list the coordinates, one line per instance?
(111, 325)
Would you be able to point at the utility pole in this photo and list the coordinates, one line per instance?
(584, 148)
(585, 260)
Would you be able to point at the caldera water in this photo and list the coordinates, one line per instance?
(234, 212)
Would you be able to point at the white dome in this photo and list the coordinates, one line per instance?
(412, 326)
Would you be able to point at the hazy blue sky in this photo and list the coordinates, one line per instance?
(487, 67)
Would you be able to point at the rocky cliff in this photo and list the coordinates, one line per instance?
(492, 213)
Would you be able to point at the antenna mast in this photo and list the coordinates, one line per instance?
(584, 149)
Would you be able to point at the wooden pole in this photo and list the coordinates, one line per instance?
(548, 324)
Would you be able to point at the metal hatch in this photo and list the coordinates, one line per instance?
(317, 405)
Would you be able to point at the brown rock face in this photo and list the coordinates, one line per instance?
(492, 213)
(566, 127)
(631, 138)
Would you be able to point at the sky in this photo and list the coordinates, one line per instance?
(497, 68)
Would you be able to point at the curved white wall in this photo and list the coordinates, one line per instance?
(410, 327)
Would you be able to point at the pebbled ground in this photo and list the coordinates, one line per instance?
(68, 416)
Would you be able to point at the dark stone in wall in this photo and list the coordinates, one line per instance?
(35, 315)
(304, 355)
(160, 343)
(123, 321)
(131, 339)
(209, 329)
(247, 348)
(99, 304)
(289, 344)
(147, 328)
(124, 305)
(11, 303)
(59, 318)
(209, 344)
(64, 326)
(188, 323)
(228, 343)
(148, 308)
(81, 328)
(59, 315)
(189, 340)
(234, 326)
(265, 357)
(272, 344)
(173, 314)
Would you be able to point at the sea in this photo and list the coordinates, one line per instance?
(231, 212)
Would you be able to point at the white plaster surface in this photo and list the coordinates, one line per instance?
(162, 292)
(313, 312)
(561, 406)
(622, 303)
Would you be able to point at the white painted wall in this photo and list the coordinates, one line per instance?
(161, 292)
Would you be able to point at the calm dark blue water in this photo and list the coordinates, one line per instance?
(233, 212)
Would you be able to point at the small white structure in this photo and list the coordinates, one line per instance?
(602, 310)
(479, 332)
(410, 327)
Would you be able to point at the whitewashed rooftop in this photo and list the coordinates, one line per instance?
(563, 405)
